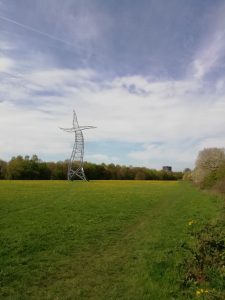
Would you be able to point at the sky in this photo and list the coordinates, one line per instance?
(149, 74)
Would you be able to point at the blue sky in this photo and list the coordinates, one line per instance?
(150, 74)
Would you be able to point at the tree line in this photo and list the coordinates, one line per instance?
(33, 168)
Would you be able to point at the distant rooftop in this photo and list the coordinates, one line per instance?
(167, 168)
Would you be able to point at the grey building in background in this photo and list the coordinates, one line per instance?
(167, 168)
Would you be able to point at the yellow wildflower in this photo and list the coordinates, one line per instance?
(201, 291)
(191, 222)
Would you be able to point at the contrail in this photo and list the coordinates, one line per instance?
(36, 31)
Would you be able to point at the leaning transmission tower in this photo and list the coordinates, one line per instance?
(75, 165)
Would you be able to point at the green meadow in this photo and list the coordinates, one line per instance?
(97, 240)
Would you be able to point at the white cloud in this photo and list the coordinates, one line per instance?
(102, 158)
(5, 64)
(209, 58)
(212, 48)
(160, 115)
(59, 77)
(4, 46)
(173, 154)
(28, 131)
(212, 142)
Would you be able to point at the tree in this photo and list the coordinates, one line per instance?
(25, 168)
(3, 169)
(187, 174)
(210, 158)
(15, 168)
(140, 175)
(208, 162)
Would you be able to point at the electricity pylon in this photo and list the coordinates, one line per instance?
(75, 165)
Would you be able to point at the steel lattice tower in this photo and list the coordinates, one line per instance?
(75, 165)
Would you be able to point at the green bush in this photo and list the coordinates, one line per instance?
(209, 180)
(204, 264)
(220, 186)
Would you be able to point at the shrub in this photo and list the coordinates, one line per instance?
(209, 180)
(220, 186)
(204, 264)
(209, 172)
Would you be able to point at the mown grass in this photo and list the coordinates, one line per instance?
(97, 240)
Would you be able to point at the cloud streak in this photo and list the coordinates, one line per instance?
(35, 30)
(212, 49)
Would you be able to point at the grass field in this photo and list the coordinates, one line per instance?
(96, 240)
